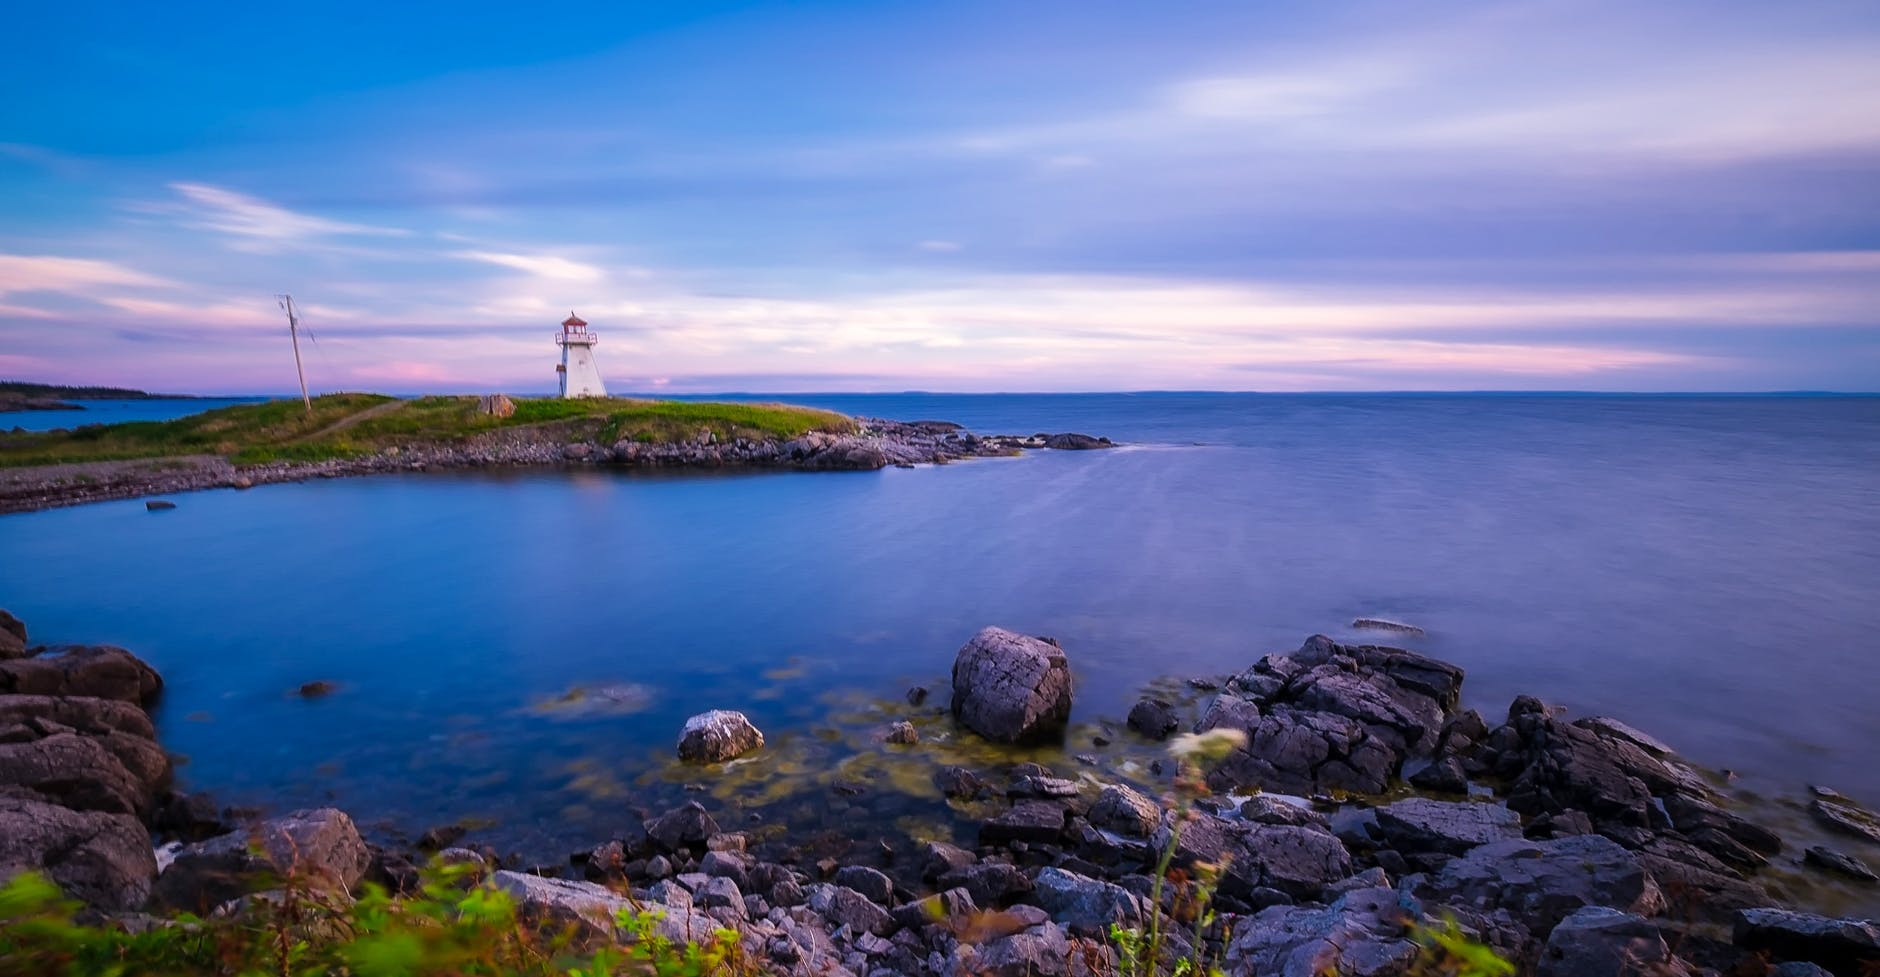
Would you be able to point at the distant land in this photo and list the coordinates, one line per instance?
(21, 395)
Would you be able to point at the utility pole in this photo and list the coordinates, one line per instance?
(293, 332)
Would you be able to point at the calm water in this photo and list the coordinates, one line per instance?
(1703, 568)
(115, 412)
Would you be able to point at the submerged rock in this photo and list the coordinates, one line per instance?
(1154, 718)
(1381, 624)
(717, 736)
(1011, 687)
(1843, 815)
(1839, 862)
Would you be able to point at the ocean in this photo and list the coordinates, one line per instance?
(520, 648)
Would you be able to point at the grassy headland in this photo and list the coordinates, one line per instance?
(357, 424)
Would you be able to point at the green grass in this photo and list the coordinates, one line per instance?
(282, 430)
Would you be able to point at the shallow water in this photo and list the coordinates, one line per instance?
(1703, 568)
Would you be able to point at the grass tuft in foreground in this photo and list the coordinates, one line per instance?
(449, 927)
(356, 424)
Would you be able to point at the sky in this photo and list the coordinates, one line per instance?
(965, 196)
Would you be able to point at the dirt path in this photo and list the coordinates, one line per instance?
(349, 420)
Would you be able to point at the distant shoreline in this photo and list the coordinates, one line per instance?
(366, 434)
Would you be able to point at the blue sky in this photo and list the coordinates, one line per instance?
(1039, 196)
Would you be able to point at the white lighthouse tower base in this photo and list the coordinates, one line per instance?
(579, 376)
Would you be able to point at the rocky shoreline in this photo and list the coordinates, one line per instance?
(875, 444)
(1349, 799)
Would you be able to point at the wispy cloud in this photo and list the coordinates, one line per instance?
(230, 212)
(548, 266)
(53, 273)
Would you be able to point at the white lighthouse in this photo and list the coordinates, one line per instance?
(579, 376)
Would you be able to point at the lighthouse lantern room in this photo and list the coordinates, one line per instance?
(579, 376)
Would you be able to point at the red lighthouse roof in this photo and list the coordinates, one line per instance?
(573, 320)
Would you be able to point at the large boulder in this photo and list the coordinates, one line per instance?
(1595, 766)
(717, 736)
(319, 848)
(1542, 882)
(1011, 687)
(1332, 717)
(98, 671)
(1363, 934)
(103, 858)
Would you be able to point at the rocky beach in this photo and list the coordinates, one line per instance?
(874, 444)
(1342, 801)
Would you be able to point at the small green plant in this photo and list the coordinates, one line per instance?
(449, 928)
(1141, 953)
(1450, 952)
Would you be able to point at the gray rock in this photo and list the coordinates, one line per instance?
(1445, 776)
(1846, 947)
(959, 782)
(1839, 862)
(320, 848)
(1154, 718)
(1299, 860)
(950, 909)
(726, 864)
(1038, 951)
(1332, 717)
(1010, 687)
(1075, 442)
(1419, 824)
(12, 637)
(1125, 811)
(941, 858)
(717, 736)
(100, 672)
(1085, 905)
(588, 911)
(1267, 809)
(1362, 934)
(1041, 788)
(1845, 816)
(1380, 624)
(681, 828)
(1034, 822)
(104, 771)
(903, 733)
(843, 906)
(869, 882)
(1597, 941)
(99, 857)
(1797, 968)
(1542, 882)
(989, 883)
